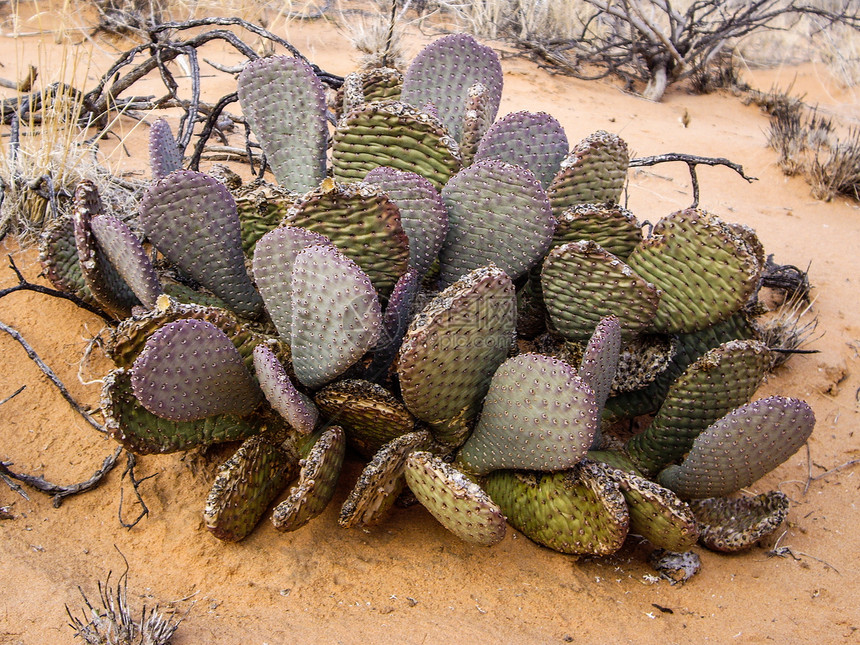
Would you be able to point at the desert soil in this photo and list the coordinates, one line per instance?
(409, 580)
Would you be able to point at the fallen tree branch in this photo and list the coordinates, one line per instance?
(131, 462)
(692, 161)
(25, 285)
(60, 492)
(47, 371)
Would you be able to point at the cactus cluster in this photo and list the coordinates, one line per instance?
(460, 300)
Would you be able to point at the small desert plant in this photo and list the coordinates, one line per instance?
(112, 623)
(835, 169)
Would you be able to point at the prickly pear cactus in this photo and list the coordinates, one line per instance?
(394, 134)
(538, 415)
(452, 349)
(595, 171)
(336, 315)
(164, 156)
(192, 219)
(741, 447)
(442, 74)
(189, 370)
(507, 199)
(533, 140)
(284, 102)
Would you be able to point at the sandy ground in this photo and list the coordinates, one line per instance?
(409, 580)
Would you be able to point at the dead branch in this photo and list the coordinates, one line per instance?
(47, 371)
(692, 161)
(58, 491)
(25, 285)
(131, 462)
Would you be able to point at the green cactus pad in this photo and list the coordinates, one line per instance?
(504, 199)
(284, 102)
(443, 72)
(363, 224)
(143, 433)
(582, 283)
(58, 256)
(422, 212)
(296, 408)
(533, 140)
(479, 114)
(246, 484)
(615, 459)
(261, 207)
(381, 481)
(105, 283)
(273, 270)
(721, 380)
(731, 525)
(336, 315)
(687, 348)
(460, 505)
(192, 219)
(706, 271)
(611, 226)
(190, 369)
(164, 155)
(370, 414)
(368, 86)
(453, 348)
(579, 511)
(656, 513)
(537, 415)
(594, 172)
(128, 256)
(320, 470)
(390, 133)
(741, 447)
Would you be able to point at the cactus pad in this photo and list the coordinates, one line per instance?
(273, 269)
(579, 511)
(537, 415)
(336, 315)
(284, 102)
(453, 348)
(656, 513)
(381, 481)
(611, 226)
(105, 283)
(741, 447)
(443, 72)
(491, 195)
(422, 212)
(594, 172)
(320, 470)
(128, 256)
(296, 408)
(189, 369)
(365, 226)
(731, 525)
(460, 505)
(245, 486)
(164, 155)
(58, 256)
(192, 219)
(705, 269)
(477, 117)
(370, 414)
(600, 360)
(390, 133)
(721, 380)
(368, 86)
(143, 433)
(582, 283)
(533, 140)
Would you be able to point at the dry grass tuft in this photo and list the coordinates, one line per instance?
(112, 623)
(810, 144)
